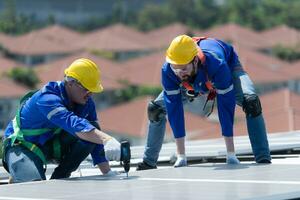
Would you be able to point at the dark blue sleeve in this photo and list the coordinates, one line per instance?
(222, 80)
(174, 106)
(226, 108)
(51, 107)
(98, 154)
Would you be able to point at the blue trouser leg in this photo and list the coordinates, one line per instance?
(258, 138)
(156, 133)
(24, 165)
(74, 152)
(256, 126)
(155, 137)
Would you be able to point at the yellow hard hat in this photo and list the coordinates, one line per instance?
(181, 51)
(87, 73)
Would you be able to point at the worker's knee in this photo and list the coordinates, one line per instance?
(155, 112)
(23, 165)
(251, 105)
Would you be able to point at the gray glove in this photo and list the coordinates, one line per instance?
(112, 149)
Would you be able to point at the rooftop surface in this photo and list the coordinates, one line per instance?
(211, 179)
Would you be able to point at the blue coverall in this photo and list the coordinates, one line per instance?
(50, 108)
(232, 83)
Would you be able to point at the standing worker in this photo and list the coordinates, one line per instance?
(59, 122)
(203, 65)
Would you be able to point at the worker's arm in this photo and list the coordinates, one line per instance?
(94, 136)
(111, 145)
(52, 107)
(173, 102)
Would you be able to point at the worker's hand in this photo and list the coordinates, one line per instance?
(232, 159)
(111, 173)
(112, 149)
(181, 161)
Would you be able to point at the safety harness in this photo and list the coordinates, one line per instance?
(190, 92)
(17, 138)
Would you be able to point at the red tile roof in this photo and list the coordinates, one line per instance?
(292, 70)
(110, 71)
(116, 38)
(50, 40)
(262, 68)
(282, 35)
(280, 99)
(162, 37)
(128, 118)
(7, 64)
(4, 38)
(10, 89)
(238, 35)
(60, 34)
(145, 70)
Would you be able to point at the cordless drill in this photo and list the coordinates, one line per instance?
(125, 156)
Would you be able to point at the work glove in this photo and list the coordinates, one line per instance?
(111, 173)
(112, 149)
(181, 161)
(231, 159)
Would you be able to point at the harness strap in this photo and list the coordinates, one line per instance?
(19, 133)
(200, 52)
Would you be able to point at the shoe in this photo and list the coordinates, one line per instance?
(232, 160)
(181, 161)
(144, 166)
(264, 161)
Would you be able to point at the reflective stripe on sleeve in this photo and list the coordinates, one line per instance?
(54, 111)
(225, 90)
(172, 92)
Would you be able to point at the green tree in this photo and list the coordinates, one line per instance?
(51, 19)
(154, 16)
(206, 14)
(25, 76)
(285, 53)
(118, 12)
(8, 17)
(292, 14)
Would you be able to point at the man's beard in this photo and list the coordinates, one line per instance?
(191, 77)
(185, 78)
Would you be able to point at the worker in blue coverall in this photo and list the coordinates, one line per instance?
(209, 66)
(59, 122)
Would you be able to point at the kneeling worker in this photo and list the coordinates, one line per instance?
(59, 122)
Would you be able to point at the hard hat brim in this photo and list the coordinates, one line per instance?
(97, 89)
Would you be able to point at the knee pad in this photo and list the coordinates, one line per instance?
(251, 105)
(155, 112)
